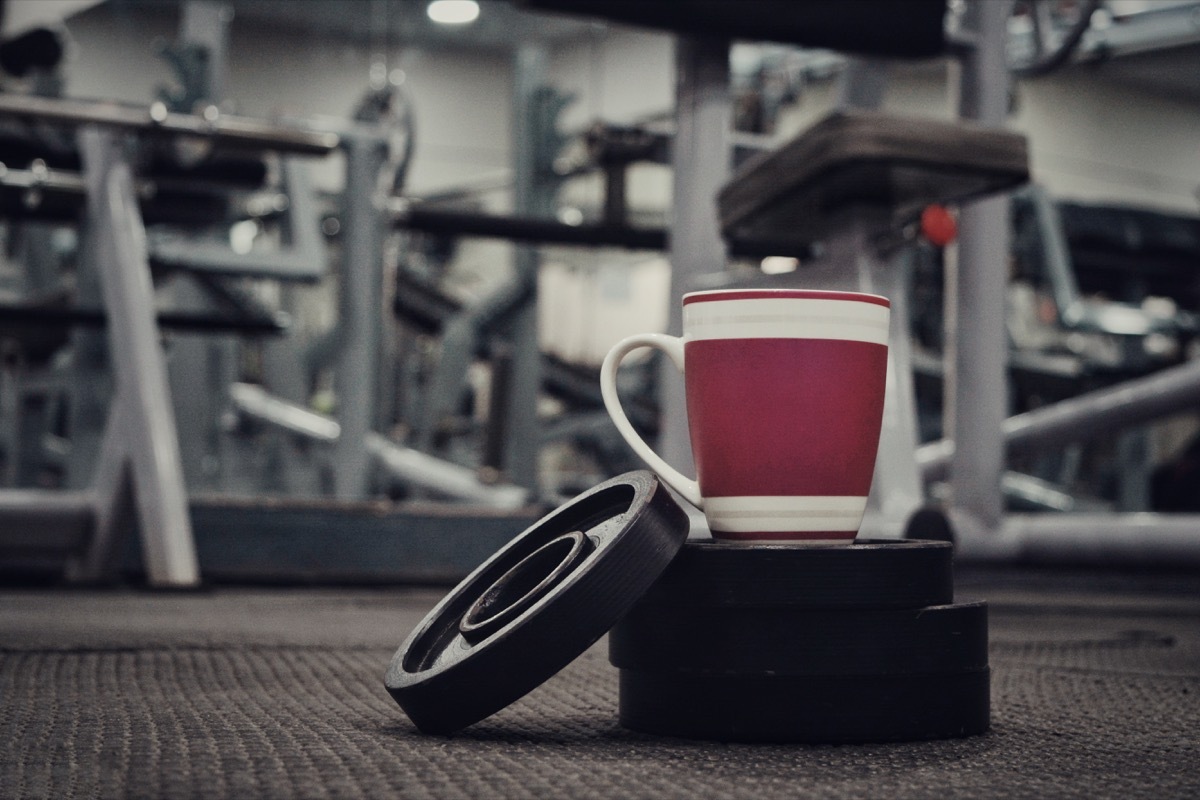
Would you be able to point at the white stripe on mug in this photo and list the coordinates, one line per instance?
(782, 514)
(787, 318)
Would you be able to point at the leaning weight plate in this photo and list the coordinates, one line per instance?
(865, 574)
(763, 708)
(786, 640)
(539, 602)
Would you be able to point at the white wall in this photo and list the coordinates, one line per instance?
(586, 305)
(621, 75)
(1096, 141)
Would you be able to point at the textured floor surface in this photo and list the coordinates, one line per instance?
(278, 693)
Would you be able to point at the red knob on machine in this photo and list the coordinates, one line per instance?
(938, 225)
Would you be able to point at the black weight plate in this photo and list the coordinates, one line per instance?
(535, 605)
(805, 709)
(796, 641)
(865, 574)
(930, 524)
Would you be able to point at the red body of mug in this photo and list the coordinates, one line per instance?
(785, 393)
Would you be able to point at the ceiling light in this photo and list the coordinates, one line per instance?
(453, 12)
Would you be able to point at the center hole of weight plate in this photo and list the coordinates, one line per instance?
(523, 585)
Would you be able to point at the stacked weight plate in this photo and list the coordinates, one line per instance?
(853, 643)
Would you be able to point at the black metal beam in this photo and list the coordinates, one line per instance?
(529, 229)
(547, 231)
(225, 130)
(186, 321)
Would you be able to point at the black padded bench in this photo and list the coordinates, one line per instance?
(884, 28)
(866, 163)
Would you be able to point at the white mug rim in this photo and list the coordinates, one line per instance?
(717, 295)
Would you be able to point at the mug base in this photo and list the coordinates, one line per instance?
(802, 538)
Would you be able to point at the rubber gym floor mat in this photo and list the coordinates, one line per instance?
(279, 693)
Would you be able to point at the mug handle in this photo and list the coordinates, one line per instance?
(673, 347)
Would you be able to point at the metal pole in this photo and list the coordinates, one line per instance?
(529, 229)
(449, 480)
(201, 366)
(1096, 413)
(532, 132)
(360, 313)
(206, 23)
(254, 401)
(1126, 540)
(1057, 254)
(863, 84)
(90, 376)
(227, 130)
(417, 468)
(977, 388)
(896, 490)
(700, 161)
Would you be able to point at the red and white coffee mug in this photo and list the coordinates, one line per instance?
(784, 400)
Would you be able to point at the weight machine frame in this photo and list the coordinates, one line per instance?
(138, 472)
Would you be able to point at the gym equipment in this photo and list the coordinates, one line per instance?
(818, 709)
(974, 451)
(1043, 36)
(433, 414)
(441, 477)
(224, 131)
(291, 541)
(539, 602)
(1050, 48)
(1125, 255)
(799, 639)
(830, 662)
(428, 309)
(30, 51)
(867, 574)
(886, 168)
(42, 316)
(138, 453)
(486, 330)
(526, 229)
(189, 193)
(1099, 295)
(797, 656)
